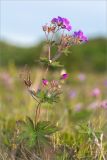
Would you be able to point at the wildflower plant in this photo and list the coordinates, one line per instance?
(36, 132)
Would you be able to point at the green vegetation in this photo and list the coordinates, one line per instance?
(87, 57)
(81, 120)
(73, 128)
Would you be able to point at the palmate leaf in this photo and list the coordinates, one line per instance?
(45, 96)
(36, 134)
(40, 94)
(66, 51)
(27, 132)
(44, 130)
(46, 127)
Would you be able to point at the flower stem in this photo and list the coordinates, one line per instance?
(49, 52)
(37, 114)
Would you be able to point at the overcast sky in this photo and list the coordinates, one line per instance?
(21, 20)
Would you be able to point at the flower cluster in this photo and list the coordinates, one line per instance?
(66, 40)
(59, 23)
(80, 36)
(49, 91)
(64, 23)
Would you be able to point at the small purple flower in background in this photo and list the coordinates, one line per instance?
(104, 104)
(80, 36)
(45, 82)
(72, 94)
(96, 92)
(105, 83)
(6, 78)
(93, 105)
(78, 107)
(81, 77)
(64, 76)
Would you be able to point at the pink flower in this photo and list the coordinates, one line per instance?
(96, 92)
(104, 104)
(6, 78)
(78, 107)
(94, 105)
(64, 76)
(45, 82)
(72, 94)
(82, 77)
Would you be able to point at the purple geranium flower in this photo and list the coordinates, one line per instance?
(58, 21)
(80, 36)
(54, 20)
(66, 24)
(63, 22)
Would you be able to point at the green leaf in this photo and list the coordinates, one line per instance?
(50, 98)
(29, 121)
(66, 51)
(38, 135)
(44, 60)
(56, 64)
(47, 127)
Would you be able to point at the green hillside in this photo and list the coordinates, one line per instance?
(87, 57)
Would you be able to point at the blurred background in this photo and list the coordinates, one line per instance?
(21, 35)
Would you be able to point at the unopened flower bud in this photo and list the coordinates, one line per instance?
(44, 28)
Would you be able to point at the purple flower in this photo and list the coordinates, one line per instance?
(58, 21)
(72, 94)
(54, 20)
(68, 27)
(66, 24)
(81, 77)
(78, 107)
(94, 105)
(64, 76)
(105, 83)
(7, 80)
(96, 92)
(63, 22)
(80, 36)
(104, 104)
(45, 82)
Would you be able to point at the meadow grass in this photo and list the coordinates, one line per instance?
(80, 116)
